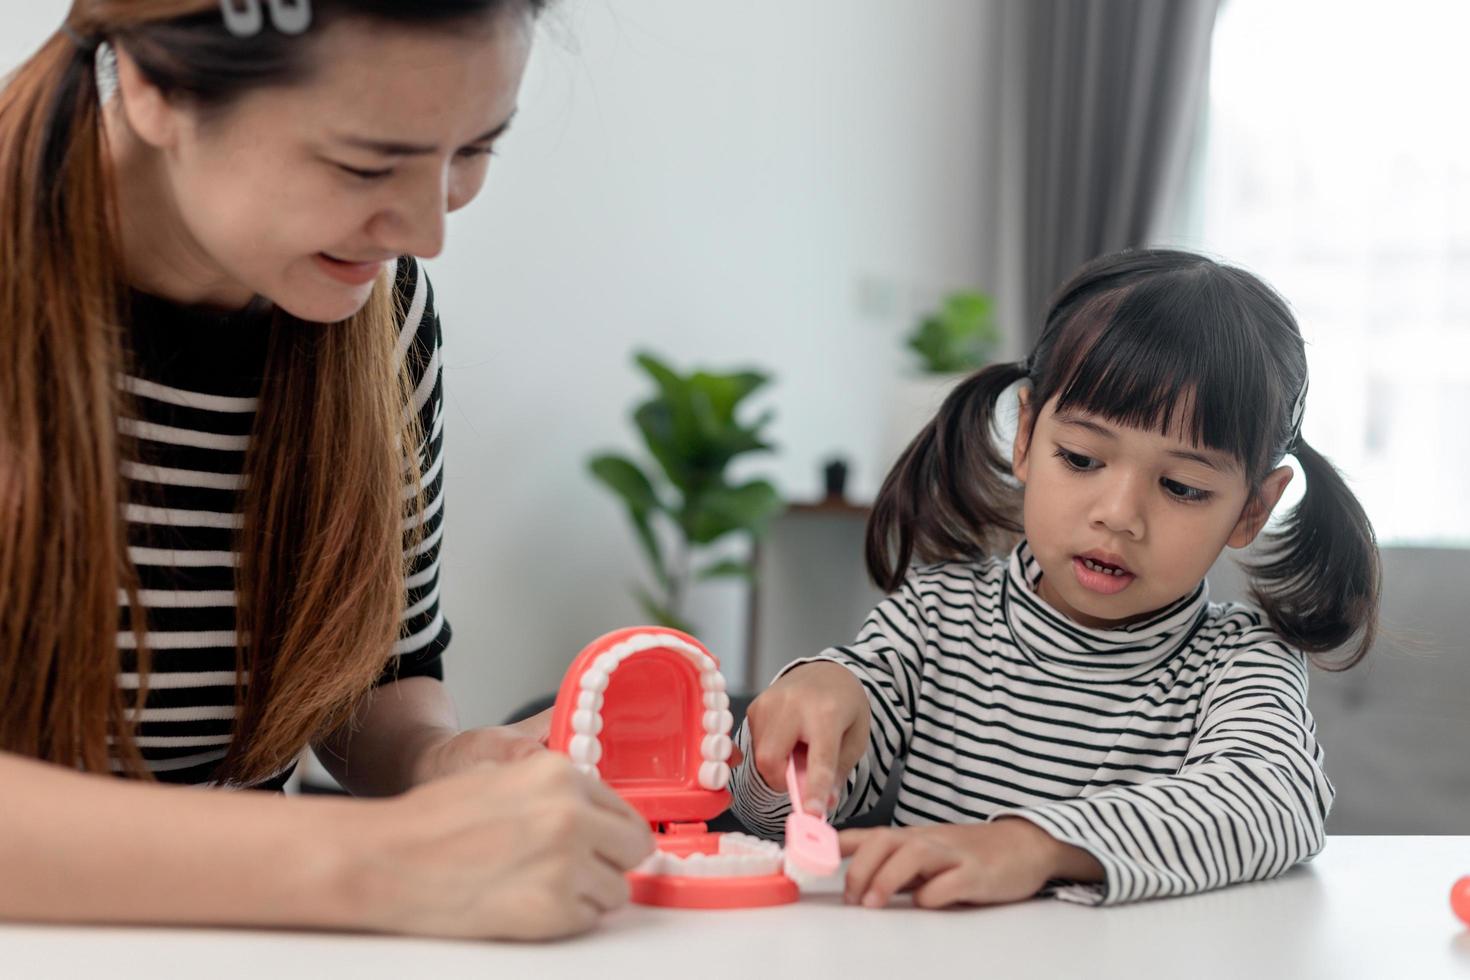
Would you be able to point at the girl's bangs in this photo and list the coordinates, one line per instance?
(1164, 357)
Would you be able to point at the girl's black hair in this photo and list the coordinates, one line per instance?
(1156, 339)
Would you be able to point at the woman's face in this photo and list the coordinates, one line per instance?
(301, 193)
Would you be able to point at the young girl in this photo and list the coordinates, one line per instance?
(1079, 713)
(220, 409)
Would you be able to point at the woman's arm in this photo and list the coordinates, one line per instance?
(530, 850)
(85, 848)
(408, 734)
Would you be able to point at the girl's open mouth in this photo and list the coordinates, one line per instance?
(1102, 577)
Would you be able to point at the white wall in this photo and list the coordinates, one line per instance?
(716, 182)
(767, 183)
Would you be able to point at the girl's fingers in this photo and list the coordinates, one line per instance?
(821, 770)
(771, 741)
(869, 849)
(916, 860)
(947, 888)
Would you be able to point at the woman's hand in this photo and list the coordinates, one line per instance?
(1008, 860)
(452, 752)
(823, 705)
(528, 849)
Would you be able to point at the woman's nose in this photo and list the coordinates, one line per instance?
(415, 226)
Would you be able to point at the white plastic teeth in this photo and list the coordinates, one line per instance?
(714, 750)
(1094, 566)
(741, 856)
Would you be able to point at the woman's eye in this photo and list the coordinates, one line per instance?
(361, 174)
(1077, 461)
(1181, 491)
(471, 152)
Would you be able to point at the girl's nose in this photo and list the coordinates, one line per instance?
(1119, 508)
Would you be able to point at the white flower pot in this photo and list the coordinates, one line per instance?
(913, 401)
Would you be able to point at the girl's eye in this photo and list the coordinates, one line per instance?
(1180, 491)
(1077, 461)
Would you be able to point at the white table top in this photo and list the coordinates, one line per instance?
(1367, 907)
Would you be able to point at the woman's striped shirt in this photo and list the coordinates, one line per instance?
(1178, 751)
(194, 386)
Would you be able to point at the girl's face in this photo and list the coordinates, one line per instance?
(302, 193)
(1124, 521)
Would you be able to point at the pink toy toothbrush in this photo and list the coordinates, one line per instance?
(811, 842)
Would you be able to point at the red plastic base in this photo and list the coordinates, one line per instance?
(680, 892)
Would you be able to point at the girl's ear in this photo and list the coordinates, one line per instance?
(1021, 447)
(143, 106)
(1259, 507)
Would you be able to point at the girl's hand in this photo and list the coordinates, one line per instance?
(448, 753)
(530, 849)
(823, 705)
(971, 864)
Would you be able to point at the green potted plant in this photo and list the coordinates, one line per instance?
(958, 338)
(685, 502)
(951, 342)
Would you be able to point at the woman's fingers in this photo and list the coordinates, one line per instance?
(606, 886)
(617, 841)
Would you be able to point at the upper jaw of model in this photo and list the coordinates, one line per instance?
(585, 747)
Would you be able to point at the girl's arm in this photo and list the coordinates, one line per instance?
(887, 662)
(530, 850)
(1250, 801)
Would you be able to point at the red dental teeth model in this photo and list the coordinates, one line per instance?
(646, 709)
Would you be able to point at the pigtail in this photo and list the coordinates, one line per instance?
(947, 497)
(1318, 580)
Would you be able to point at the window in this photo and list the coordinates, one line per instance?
(1336, 164)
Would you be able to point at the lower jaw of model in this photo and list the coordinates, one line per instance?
(740, 856)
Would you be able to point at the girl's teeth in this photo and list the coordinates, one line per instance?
(1094, 566)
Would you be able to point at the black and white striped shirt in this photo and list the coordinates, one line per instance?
(1178, 751)
(194, 385)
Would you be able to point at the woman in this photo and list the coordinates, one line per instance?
(215, 548)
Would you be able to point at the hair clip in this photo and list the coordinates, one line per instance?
(1298, 411)
(246, 18)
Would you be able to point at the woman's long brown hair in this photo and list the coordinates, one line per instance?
(331, 473)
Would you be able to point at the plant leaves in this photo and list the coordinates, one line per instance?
(628, 481)
(660, 613)
(723, 509)
(730, 568)
(960, 336)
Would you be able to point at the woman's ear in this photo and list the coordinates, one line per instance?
(1021, 447)
(144, 107)
(1258, 509)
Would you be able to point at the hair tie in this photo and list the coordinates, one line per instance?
(87, 44)
(1297, 412)
(246, 18)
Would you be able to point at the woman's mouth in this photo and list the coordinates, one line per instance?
(350, 273)
(1105, 576)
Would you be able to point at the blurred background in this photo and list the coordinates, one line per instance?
(858, 198)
